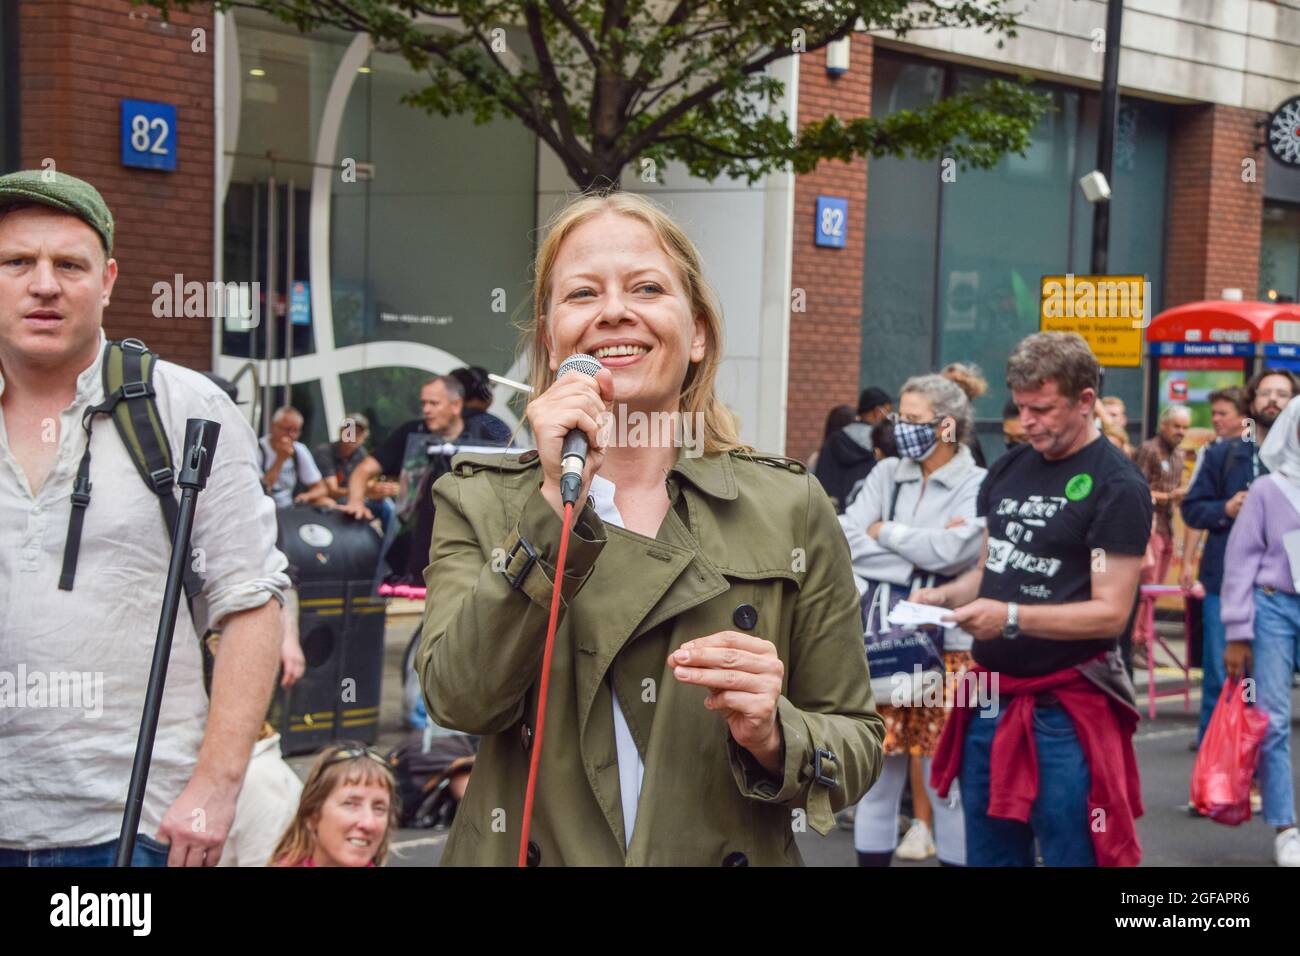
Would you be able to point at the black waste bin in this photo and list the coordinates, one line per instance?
(340, 625)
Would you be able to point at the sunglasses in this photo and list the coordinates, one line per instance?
(352, 752)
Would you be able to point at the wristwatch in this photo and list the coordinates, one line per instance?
(1011, 630)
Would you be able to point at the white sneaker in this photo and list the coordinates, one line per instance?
(917, 844)
(1286, 847)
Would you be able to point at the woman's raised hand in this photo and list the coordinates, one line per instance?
(573, 401)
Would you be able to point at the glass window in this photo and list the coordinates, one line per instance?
(1279, 253)
(902, 219)
(952, 269)
(436, 248)
(430, 227)
(1137, 215)
(1002, 230)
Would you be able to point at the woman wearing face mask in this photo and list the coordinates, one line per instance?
(707, 684)
(347, 812)
(915, 517)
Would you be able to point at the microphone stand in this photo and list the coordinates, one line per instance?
(200, 445)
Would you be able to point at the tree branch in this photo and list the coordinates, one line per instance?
(710, 90)
(561, 13)
(554, 89)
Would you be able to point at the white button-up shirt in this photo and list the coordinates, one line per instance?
(74, 664)
(631, 768)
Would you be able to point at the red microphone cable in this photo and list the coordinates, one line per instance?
(536, 760)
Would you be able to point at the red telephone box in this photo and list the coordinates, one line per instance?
(1203, 346)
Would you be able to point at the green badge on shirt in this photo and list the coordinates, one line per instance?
(1078, 487)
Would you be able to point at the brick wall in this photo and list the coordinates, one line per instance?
(825, 338)
(1214, 217)
(78, 59)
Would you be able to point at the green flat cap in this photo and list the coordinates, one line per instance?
(47, 187)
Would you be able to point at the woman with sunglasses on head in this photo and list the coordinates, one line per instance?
(708, 694)
(347, 812)
(915, 519)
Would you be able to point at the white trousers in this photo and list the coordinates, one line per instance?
(875, 825)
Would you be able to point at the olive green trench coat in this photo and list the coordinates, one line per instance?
(747, 540)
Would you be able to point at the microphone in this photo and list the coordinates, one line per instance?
(573, 456)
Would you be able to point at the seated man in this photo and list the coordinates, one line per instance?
(406, 452)
(338, 460)
(289, 473)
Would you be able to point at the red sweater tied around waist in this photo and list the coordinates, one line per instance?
(1105, 732)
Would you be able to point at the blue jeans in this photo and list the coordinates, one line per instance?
(1213, 645)
(1059, 816)
(1276, 648)
(148, 852)
(384, 510)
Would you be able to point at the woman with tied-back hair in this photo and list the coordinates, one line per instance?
(913, 519)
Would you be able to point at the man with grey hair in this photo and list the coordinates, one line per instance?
(63, 786)
(1160, 459)
(404, 453)
(289, 473)
(1067, 518)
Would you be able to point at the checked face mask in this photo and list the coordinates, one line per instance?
(916, 440)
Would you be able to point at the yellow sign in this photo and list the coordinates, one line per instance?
(1110, 313)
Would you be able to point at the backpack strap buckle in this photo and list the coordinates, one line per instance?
(81, 492)
(162, 480)
(137, 390)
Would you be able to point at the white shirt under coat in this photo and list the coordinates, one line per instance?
(631, 768)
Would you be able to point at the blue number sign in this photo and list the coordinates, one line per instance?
(148, 134)
(832, 221)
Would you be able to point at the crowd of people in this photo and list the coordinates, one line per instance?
(723, 600)
(1221, 553)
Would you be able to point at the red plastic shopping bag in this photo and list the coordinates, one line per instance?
(1226, 760)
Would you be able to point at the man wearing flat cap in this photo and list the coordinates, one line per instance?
(75, 651)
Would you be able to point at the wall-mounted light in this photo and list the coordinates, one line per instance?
(1094, 186)
(363, 69)
(257, 71)
(837, 56)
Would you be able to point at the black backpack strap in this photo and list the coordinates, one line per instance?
(140, 426)
(129, 399)
(80, 498)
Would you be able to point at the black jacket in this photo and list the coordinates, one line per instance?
(1226, 468)
(844, 461)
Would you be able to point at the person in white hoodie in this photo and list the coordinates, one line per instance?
(915, 516)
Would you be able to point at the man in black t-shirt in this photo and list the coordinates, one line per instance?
(1067, 519)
